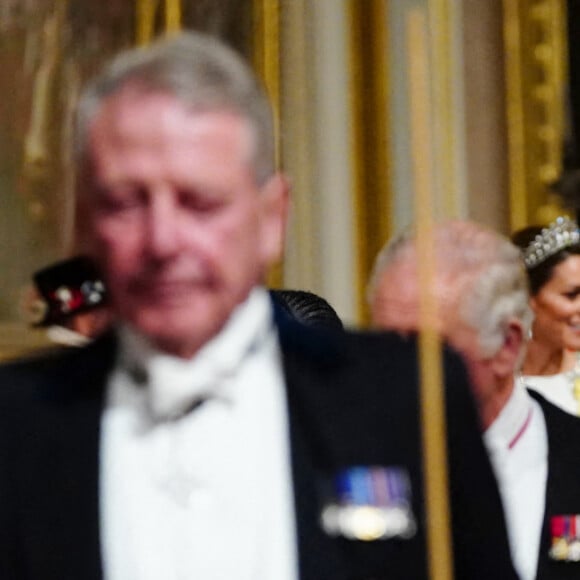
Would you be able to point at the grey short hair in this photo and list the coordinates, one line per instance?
(197, 69)
(488, 263)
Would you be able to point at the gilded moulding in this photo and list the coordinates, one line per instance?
(535, 67)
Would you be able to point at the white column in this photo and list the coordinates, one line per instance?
(446, 82)
(321, 249)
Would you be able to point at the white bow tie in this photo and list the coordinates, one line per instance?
(175, 386)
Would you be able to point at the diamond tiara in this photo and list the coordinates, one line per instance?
(560, 234)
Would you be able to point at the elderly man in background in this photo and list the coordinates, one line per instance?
(202, 439)
(480, 288)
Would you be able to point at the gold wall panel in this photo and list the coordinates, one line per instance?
(266, 58)
(535, 48)
(370, 136)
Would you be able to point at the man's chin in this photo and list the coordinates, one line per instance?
(177, 333)
(176, 342)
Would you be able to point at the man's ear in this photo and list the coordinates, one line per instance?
(506, 359)
(275, 201)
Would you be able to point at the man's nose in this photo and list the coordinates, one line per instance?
(163, 228)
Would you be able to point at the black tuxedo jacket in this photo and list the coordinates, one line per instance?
(352, 400)
(563, 484)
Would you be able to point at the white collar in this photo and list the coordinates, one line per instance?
(66, 336)
(173, 384)
(512, 421)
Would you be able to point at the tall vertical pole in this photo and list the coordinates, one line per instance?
(439, 548)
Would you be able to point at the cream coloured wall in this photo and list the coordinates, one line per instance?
(316, 151)
(467, 128)
(445, 102)
(485, 113)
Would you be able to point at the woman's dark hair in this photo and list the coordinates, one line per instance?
(541, 273)
(307, 308)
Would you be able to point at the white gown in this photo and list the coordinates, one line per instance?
(558, 389)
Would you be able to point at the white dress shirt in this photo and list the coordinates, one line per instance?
(205, 495)
(517, 443)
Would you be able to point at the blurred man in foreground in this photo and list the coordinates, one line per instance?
(199, 440)
(481, 290)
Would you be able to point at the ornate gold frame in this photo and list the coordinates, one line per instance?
(535, 65)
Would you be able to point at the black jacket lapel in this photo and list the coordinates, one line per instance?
(318, 554)
(562, 486)
(60, 469)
